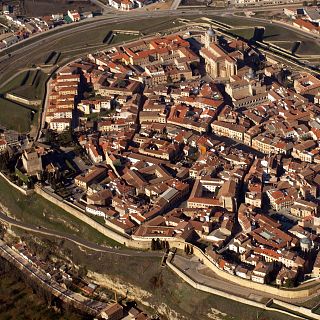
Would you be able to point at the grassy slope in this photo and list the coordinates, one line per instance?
(28, 84)
(38, 211)
(18, 302)
(15, 117)
(174, 292)
(33, 87)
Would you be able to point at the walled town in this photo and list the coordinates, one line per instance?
(193, 137)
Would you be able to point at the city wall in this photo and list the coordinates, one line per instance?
(122, 239)
(256, 304)
(28, 102)
(301, 310)
(289, 293)
(143, 244)
(26, 192)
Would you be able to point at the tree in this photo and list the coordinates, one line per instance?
(65, 138)
(4, 161)
(49, 136)
(290, 283)
(153, 244)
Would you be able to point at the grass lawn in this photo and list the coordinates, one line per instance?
(14, 116)
(246, 33)
(309, 47)
(311, 303)
(317, 310)
(28, 84)
(118, 38)
(286, 45)
(16, 82)
(235, 21)
(149, 26)
(38, 211)
(34, 86)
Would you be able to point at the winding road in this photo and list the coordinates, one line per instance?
(4, 219)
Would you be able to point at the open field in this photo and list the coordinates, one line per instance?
(119, 38)
(148, 26)
(33, 85)
(16, 82)
(14, 116)
(44, 7)
(38, 211)
(28, 84)
(308, 47)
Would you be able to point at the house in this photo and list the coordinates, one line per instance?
(316, 266)
(302, 208)
(113, 311)
(74, 15)
(243, 272)
(9, 41)
(94, 175)
(60, 124)
(285, 276)
(261, 272)
(3, 145)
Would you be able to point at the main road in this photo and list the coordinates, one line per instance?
(16, 57)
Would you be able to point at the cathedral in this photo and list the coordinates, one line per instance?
(219, 63)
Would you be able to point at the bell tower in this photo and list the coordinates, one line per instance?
(210, 37)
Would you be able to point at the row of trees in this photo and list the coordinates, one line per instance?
(157, 244)
(188, 249)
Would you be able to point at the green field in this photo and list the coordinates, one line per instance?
(14, 116)
(33, 85)
(119, 38)
(290, 311)
(30, 85)
(14, 83)
(38, 211)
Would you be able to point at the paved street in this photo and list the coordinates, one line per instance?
(202, 274)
